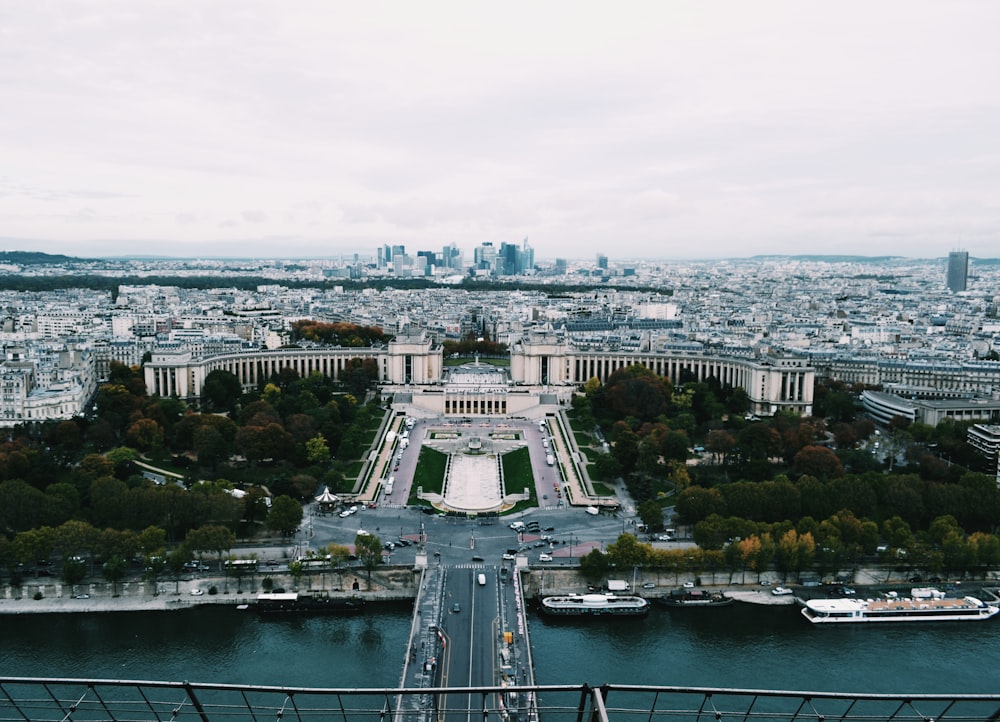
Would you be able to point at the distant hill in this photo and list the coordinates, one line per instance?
(33, 258)
(831, 259)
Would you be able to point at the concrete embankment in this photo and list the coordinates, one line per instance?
(542, 582)
(390, 584)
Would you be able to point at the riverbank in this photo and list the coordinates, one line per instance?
(386, 585)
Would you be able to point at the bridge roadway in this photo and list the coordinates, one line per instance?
(467, 634)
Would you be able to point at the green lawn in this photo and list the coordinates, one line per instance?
(602, 489)
(517, 470)
(353, 468)
(429, 474)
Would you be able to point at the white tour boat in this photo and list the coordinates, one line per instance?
(921, 607)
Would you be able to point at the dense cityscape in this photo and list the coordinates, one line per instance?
(922, 339)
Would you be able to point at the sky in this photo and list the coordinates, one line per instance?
(665, 130)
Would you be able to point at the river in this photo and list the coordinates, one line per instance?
(742, 646)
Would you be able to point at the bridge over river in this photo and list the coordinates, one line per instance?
(469, 631)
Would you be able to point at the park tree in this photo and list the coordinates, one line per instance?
(122, 460)
(210, 446)
(74, 570)
(633, 391)
(720, 443)
(368, 548)
(696, 503)
(627, 551)
(211, 538)
(898, 534)
(794, 553)
(74, 537)
(152, 540)
(758, 552)
(317, 451)
(93, 466)
(626, 450)
(114, 571)
(270, 441)
(22, 506)
(117, 544)
(674, 445)
(176, 559)
(985, 551)
(156, 564)
(817, 461)
(942, 527)
(594, 565)
(63, 501)
(606, 468)
(145, 435)
(285, 515)
(758, 442)
(221, 391)
(651, 514)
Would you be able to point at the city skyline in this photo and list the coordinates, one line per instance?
(663, 131)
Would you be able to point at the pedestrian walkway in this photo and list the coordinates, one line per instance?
(473, 483)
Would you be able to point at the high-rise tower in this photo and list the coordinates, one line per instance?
(958, 271)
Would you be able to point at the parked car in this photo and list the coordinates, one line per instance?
(780, 591)
(543, 557)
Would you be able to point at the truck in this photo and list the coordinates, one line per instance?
(618, 585)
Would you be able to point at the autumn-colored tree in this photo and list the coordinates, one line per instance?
(627, 552)
(720, 443)
(817, 461)
(985, 551)
(368, 548)
(749, 550)
(317, 450)
(794, 552)
(144, 434)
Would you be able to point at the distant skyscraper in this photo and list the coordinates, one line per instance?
(958, 271)
(602, 261)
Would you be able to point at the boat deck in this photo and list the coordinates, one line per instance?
(900, 604)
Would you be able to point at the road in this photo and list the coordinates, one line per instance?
(472, 636)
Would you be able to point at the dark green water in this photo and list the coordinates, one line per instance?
(740, 646)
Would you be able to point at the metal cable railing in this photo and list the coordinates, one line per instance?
(25, 699)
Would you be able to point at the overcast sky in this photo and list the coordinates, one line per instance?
(636, 129)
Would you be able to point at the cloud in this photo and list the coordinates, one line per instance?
(682, 127)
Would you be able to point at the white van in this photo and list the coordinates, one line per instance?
(593, 510)
(482, 580)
